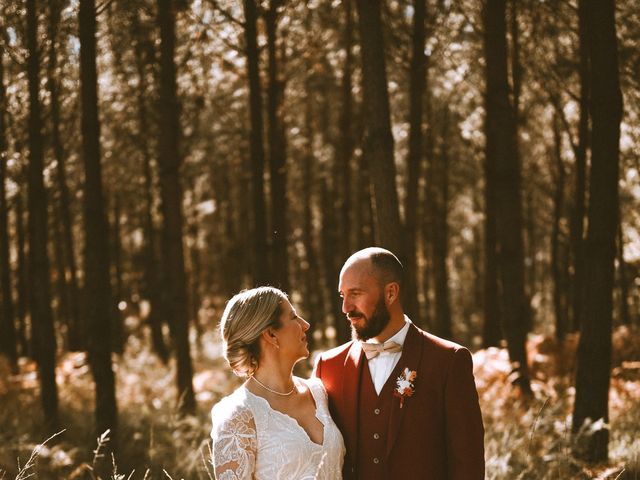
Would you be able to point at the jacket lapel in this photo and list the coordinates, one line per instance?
(410, 358)
(351, 395)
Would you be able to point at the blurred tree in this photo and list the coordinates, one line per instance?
(144, 57)
(378, 142)
(277, 150)
(440, 173)
(504, 172)
(98, 302)
(580, 151)
(259, 210)
(417, 85)
(169, 161)
(594, 350)
(42, 331)
(7, 324)
(69, 294)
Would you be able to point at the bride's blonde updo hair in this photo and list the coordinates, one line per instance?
(246, 316)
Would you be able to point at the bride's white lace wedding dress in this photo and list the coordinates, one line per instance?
(251, 440)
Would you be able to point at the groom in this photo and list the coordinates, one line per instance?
(404, 400)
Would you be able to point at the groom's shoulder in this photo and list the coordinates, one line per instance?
(439, 343)
(336, 353)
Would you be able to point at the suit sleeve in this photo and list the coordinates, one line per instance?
(317, 368)
(465, 432)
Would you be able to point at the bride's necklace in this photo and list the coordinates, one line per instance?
(274, 391)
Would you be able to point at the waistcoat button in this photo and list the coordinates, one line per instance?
(377, 411)
(376, 436)
(376, 461)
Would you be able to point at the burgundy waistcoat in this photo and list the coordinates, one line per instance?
(373, 426)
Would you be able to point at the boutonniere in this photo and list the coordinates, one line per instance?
(405, 387)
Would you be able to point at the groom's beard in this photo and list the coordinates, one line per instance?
(373, 325)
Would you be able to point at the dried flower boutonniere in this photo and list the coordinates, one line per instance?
(405, 387)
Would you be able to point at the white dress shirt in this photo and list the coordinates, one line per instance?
(381, 366)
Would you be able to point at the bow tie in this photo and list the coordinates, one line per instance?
(372, 350)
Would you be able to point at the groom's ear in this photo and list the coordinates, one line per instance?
(391, 293)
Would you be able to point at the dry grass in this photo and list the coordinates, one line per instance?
(525, 439)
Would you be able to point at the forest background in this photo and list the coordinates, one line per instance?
(159, 156)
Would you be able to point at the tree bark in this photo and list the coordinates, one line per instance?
(579, 204)
(98, 306)
(504, 167)
(625, 316)
(7, 323)
(441, 232)
(75, 332)
(277, 154)
(378, 141)
(118, 339)
(152, 284)
(21, 280)
(43, 335)
(417, 86)
(260, 253)
(557, 262)
(171, 194)
(594, 350)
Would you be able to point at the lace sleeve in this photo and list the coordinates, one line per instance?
(234, 443)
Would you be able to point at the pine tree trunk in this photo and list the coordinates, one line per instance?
(152, 285)
(21, 274)
(345, 152)
(594, 350)
(504, 169)
(277, 154)
(556, 260)
(75, 332)
(417, 86)
(116, 246)
(625, 316)
(579, 203)
(169, 160)
(378, 141)
(260, 254)
(98, 306)
(441, 233)
(43, 336)
(7, 322)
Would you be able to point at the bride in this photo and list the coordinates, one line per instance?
(275, 426)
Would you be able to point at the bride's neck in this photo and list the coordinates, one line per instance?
(275, 375)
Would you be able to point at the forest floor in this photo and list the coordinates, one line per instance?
(525, 438)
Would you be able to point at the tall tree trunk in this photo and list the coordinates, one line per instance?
(277, 154)
(117, 337)
(43, 335)
(559, 297)
(594, 350)
(579, 204)
(76, 332)
(21, 274)
(417, 86)
(345, 152)
(260, 254)
(7, 322)
(441, 231)
(171, 192)
(502, 157)
(98, 306)
(625, 316)
(63, 304)
(152, 284)
(378, 142)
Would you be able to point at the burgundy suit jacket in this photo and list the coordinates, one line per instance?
(438, 434)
